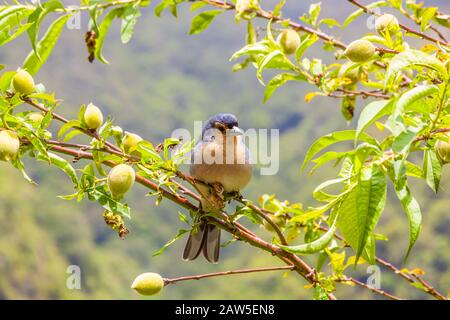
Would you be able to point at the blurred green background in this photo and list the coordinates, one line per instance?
(163, 80)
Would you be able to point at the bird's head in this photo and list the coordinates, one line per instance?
(222, 123)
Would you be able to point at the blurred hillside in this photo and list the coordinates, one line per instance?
(163, 80)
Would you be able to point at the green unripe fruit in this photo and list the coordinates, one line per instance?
(36, 117)
(121, 179)
(9, 145)
(131, 140)
(23, 82)
(280, 221)
(360, 51)
(443, 150)
(289, 41)
(148, 284)
(93, 117)
(387, 23)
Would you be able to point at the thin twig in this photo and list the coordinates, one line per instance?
(407, 29)
(366, 286)
(266, 218)
(429, 288)
(226, 273)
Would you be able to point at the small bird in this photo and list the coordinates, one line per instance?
(220, 159)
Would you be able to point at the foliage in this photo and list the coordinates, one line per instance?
(410, 91)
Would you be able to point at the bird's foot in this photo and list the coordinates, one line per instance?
(216, 196)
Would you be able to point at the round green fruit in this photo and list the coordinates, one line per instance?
(280, 221)
(93, 117)
(9, 145)
(148, 284)
(360, 51)
(443, 150)
(387, 23)
(289, 41)
(131, 140)
(23, 82)
(121, 179)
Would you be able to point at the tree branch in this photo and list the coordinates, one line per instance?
(406, 28)
(226, 273)
(373, 289)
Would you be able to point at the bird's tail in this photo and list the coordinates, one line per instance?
(206, 239)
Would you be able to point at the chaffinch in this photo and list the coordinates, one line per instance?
(220, 159)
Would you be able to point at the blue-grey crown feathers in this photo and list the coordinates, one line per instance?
(227, 119)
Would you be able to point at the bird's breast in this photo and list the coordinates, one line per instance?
(224, 163)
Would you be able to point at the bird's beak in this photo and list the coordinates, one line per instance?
(235, 131)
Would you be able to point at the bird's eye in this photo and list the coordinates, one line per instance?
(220, 127)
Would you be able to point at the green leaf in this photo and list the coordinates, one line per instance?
(432, 168)
(249, 213)
(370, 203)
(371, 113)
(358, 217)
(11, 23)
(412, 209)
(413, 170)
(162, 6)
(411, 96)
(278, 81)
(261, 47)
(36, 18)
(18, 164)
(412, 58)
(335, 137)
(67, 126)
(203, 20)
(314, 246)
(427, 15)
(181, 232)
(360, 12)
(130, 16)
(62, 164)
(403, 141)
(327, 157)
(45, 46)
(103, 30)
(108, 203)
(307, 42)
(320, 195)
(275, 59)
